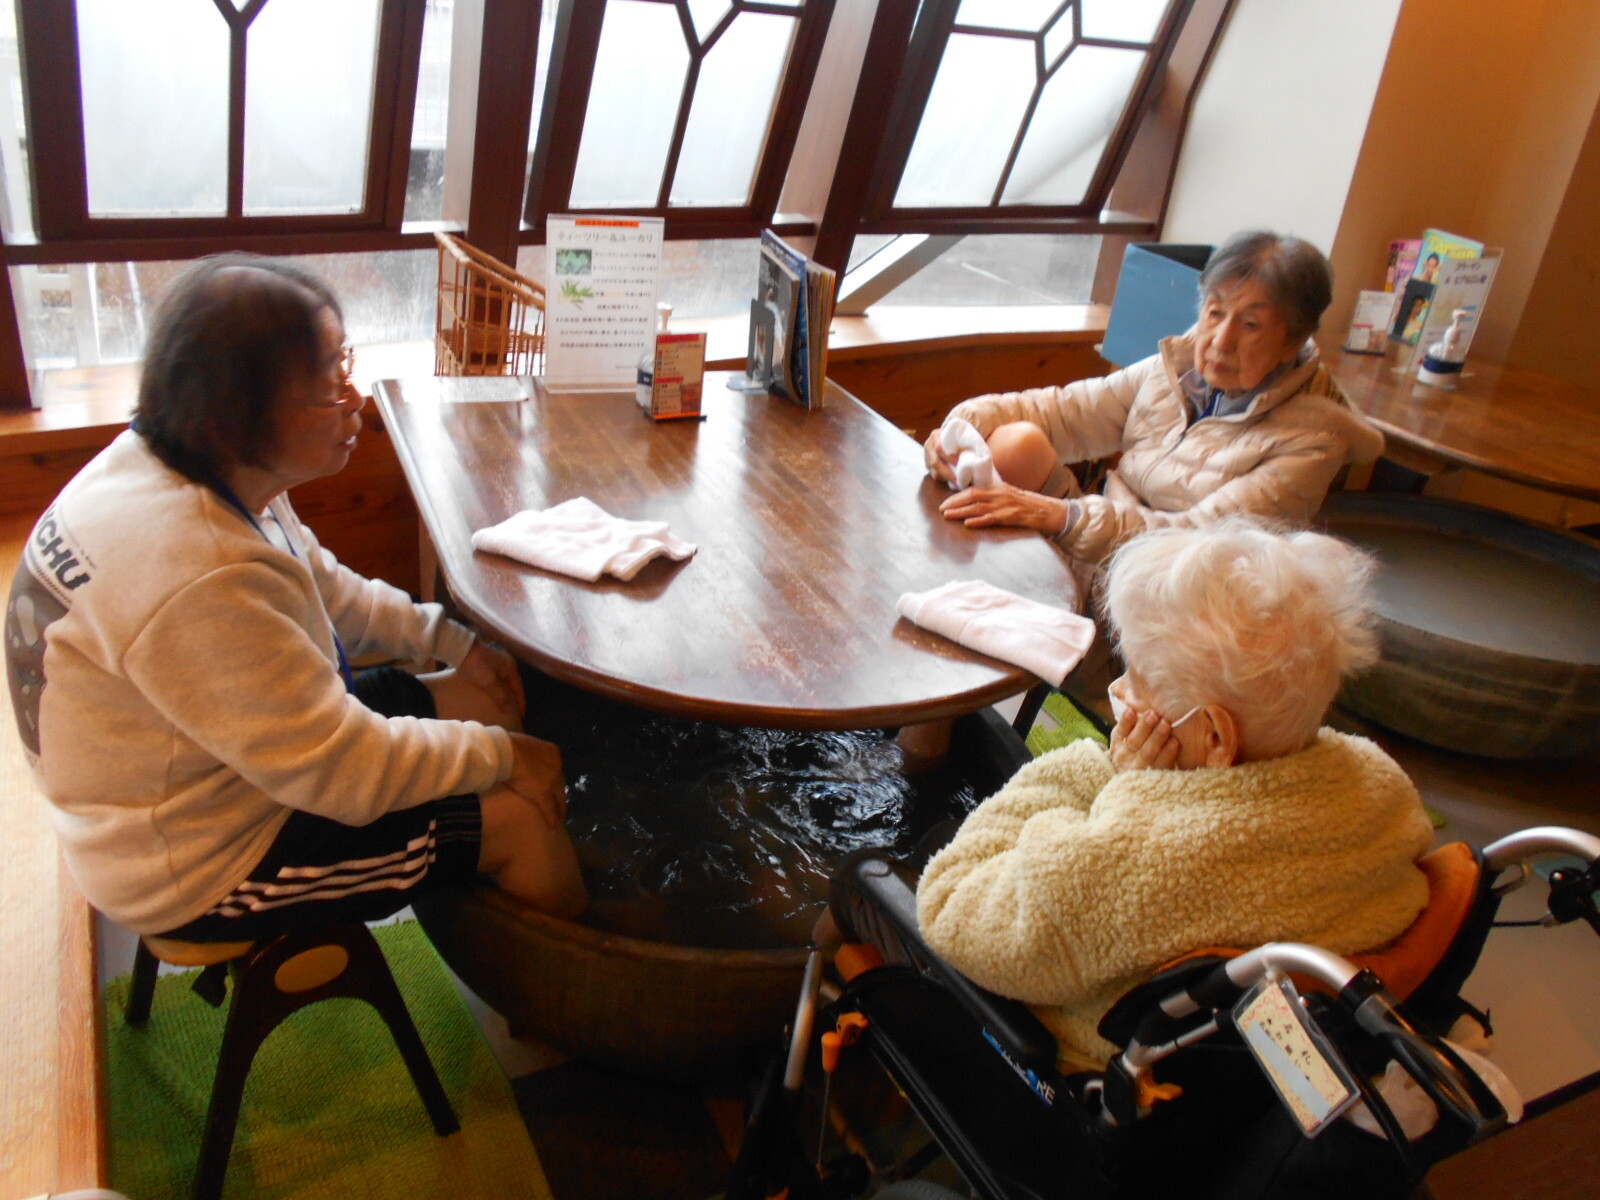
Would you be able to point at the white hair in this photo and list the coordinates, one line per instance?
(1265, 623)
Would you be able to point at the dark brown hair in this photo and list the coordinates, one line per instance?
(232, 332)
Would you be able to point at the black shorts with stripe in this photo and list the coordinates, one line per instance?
(318, 870)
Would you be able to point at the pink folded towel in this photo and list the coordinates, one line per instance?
(579, 538)
(1047, 641)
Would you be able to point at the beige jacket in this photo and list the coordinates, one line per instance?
(1276, 458)
(1075, 882)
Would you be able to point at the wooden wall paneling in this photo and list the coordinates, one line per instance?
(365, 514)
(28, 482)
(917, 390)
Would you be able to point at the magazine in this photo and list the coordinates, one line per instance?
(1402, 263)
(794, 297)
(1437, 247)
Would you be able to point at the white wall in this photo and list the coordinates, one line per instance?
(1279, 120)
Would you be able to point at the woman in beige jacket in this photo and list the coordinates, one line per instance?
(1223, 814)
(1238, 415)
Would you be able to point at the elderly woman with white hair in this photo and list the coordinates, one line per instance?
(1224, 813)
(1239, 415)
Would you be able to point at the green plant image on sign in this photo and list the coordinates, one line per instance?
(575, 294)
(574, 262)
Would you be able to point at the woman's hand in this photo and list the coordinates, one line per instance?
(1143, 741)
(1004, 504)
(537, 777)
(940, 465)
(492, 670)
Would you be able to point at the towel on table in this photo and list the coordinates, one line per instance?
(974, 464)
(577, 537)
(1047, 641)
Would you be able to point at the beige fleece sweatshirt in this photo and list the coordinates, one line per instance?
(1075, 882)
(175, 674)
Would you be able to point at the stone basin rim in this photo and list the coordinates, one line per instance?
(621, 945)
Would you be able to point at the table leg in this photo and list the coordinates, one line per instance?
(925, 746)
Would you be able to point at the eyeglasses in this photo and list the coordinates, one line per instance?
(350, 398)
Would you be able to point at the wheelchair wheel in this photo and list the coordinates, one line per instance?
(916, 1189)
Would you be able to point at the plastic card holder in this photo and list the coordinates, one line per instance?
(1304, 1067)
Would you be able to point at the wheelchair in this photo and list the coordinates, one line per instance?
(1187, 1107)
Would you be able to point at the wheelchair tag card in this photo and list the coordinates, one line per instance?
(1304, 1068)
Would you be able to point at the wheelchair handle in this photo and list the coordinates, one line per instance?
(1544, 839)
(1452, 1085)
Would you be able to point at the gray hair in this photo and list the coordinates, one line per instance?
(1294, 272)
(1265, 623)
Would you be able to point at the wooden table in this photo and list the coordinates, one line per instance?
(809, 525)
(1505, 421)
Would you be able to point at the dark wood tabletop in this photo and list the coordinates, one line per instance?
(809, 525)
(1502, 420)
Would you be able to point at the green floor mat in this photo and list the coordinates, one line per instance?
(1070, 725)
(329, 1110)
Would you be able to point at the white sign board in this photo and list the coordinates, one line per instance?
(602, 276)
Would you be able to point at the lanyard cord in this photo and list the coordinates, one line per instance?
(226, 493)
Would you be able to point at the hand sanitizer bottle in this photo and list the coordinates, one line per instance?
(646, 378)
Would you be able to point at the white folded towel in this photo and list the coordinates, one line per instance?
(577, 537)
(1047, 641)
(974, 464)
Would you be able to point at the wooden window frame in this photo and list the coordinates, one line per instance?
(571, 75)
(926, 54)
(53, 100)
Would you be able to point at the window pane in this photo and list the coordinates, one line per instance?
(1007, 14)
(155, 107)
(431, 121)
(16, 189)
(977, 102)
(1122, 20)
(1058, 39)
(705, 14)
(1009, 269)
(308, 106)
(1076, 116)
(639, 70)
(733, 102)
(99, 313)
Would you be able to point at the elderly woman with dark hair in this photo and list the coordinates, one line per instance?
(178, 645)
(1236, 416)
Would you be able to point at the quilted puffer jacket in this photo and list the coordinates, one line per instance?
(1276, 458)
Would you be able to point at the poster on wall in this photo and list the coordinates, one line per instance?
(602, 275)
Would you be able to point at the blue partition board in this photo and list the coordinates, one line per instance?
(1158, 295)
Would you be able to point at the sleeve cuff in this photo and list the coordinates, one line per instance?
(453, 642)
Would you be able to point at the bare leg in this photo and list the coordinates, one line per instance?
(925, 746)
(1023, 455)
(458, 699)
(528, 858)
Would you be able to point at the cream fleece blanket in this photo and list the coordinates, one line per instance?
(1075, 882)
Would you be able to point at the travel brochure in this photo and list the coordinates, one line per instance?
(789, 319)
